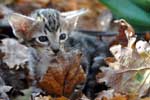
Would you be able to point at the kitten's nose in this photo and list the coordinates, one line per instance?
(55, 51)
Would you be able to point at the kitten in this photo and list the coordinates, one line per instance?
(44, 32)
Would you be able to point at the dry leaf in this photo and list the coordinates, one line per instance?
(129, 73)
(142, 46)
(63, 75)
(15, 53)
(50, 98)
(120, 97)
(125, 33)
(108, 94)
(147, 36)
(148, 98)
(62, 98)
(84, 98)
(43, 98)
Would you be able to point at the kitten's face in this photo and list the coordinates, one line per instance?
(47, 29)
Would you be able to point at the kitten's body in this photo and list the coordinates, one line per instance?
(94, 51)
(38, 62)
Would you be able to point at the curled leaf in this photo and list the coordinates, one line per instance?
(126, 32)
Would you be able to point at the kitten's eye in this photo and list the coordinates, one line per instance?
(43, 38)
(62, 36)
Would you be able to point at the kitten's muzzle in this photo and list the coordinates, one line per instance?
(55, 50)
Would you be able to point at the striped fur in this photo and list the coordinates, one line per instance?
(50, 18)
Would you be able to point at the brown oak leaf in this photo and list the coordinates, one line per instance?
(128, 71)
(63, 75)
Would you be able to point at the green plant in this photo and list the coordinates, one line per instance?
(134, 11)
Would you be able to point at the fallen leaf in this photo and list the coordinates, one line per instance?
(63, 75)
(13, 58)
(147, 36)
(111, 95)
(120, 97)
(84, 98)
(43, 98)
(62, 98)
(128, 72)
(50, 98)
(106, 94)
(126, 32)
(147, 98)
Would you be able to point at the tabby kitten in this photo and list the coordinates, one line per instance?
(44, 32)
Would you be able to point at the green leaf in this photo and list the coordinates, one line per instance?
(145, 4)
(129, 11)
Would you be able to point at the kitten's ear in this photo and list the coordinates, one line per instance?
(72, 16)
(21, 25)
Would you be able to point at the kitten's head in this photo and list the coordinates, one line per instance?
(45, 28)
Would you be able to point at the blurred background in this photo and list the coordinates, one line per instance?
(94, 20)
(100, 18)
